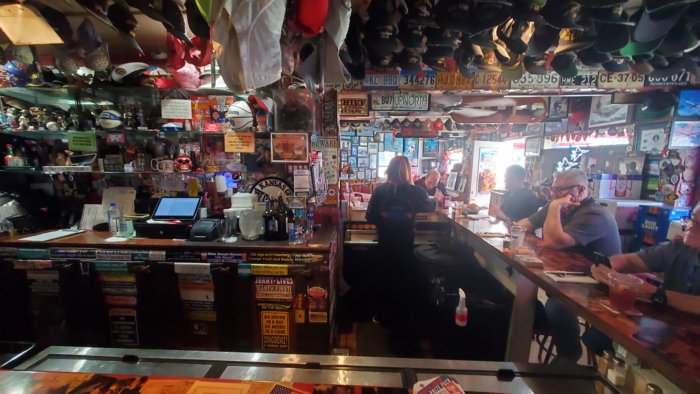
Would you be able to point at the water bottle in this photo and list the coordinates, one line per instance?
(114, 216)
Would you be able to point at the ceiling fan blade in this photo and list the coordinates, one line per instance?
(474, 112)
(494, 102)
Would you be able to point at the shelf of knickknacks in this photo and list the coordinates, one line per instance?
(49, 134)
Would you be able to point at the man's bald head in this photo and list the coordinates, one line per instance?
(432, 178)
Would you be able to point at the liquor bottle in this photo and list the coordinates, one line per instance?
(291, 220)
(10, 157)
(270, 224)
(281, 219)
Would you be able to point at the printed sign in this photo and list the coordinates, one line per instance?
(273, 288)
(584, 79)
(268, 188)
(114, 138)
(290, 258)
(239, 142)
(82, 140)
(197, 296)
(490, 80)
(536, 81)
(329, 148)
(424, 80)
(176, 109)
(353, 104)
(330, 113)
(290, 147)
(381, 81)
(264, 269)
(411, 101)
(453, 81)
(620, 80)
(31, 253)
(110, 266)
(681, 78)
(122, 324)
(43, 282)
(32, 264)
(275, 330)
(192, 268)
(72, 254)
(382, 102)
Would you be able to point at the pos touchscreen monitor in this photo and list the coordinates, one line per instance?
(177, 208)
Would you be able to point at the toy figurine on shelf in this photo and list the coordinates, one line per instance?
(73, 120)
(60, 118)
(24, 120)
(129, 120)
(141, 117)
(38, 120)
(11, 114)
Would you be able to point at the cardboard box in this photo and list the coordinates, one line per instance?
(653, 223)
(617, 186)
(625, 211)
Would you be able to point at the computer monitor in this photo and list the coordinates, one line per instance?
(177, 208)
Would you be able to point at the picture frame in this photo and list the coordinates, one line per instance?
(345, 144)
(290, 147)
(688, 108)
(431, 148)
(362, 151)
(534, 130)
(373, 161)
(684, 134)
(462, 184)
(364, 141)
(344, 155)
(533, 146)
(374, 174)
(352, 160)
(603, 113)
(393, 146)
(355, 140)
(554, 128)
(363, 162)
(373, 147)
(652, 138)
(381, 146)
(558, 108)
(360, 174)
(451, 181)
(353, 150)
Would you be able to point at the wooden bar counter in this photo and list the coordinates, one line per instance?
(668, 341)
(160, 293)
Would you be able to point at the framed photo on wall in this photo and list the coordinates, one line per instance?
(373, 161)
(558, 108)
(532, 146)
(684, 135)
(604, 113)
(362, 151)
(373, 147)
(430, 148)
(451, 181)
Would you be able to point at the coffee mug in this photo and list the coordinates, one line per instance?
(163, 165)
(126, 228)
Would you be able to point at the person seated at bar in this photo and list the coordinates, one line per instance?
(432, 184)
(519, 202)
(393, 208)
(573, 219)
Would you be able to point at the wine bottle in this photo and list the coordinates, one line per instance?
(281, 219)
(270, 224)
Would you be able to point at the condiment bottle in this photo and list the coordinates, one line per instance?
(604, 363)
(618, 375)
(653, 389)
(461, 310)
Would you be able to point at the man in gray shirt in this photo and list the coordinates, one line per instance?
(572, 220)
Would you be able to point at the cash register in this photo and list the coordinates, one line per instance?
(173, 218)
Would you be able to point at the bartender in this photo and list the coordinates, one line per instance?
(393, 208)
(432, 184)
(518, 202)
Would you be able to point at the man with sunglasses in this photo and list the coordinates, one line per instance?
(573, 219)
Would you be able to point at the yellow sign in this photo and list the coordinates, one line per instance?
(82, 140)
(236, 141)
(268, 270)
(354, 104)
(620, 80)
(453, 81)
(275, 330)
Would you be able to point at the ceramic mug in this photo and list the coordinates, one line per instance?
(163, 165)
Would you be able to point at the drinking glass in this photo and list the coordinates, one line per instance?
(518, 236)
(623, 290)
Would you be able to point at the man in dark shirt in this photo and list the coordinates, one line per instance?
(572, 219)
(431, 184)
(519, 202)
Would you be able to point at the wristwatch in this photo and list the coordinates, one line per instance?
(659, 299)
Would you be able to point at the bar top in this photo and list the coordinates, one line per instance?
(321, 241)
(669, 341)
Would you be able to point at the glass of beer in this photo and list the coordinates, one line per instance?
(623, 290)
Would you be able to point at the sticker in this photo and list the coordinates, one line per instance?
(237, 141)
(119, 288)
(72, 254)
(122, 324)
(273, 288)
(275, 330)
(316, 292)
(269, 269)
(318, 317)
(110, 266)
(299, 316)
(266, 306)
(197, 296)
(32, 264)
(674, 179)
(269, 188)
(116, 277)
(317, 304)
(199, 328)
(291, 258)
(192, 268)
(113, 255)
(115, 138)
(143, 255)
(43, 282)
(300, 309)
(36, 254)
(118, 300)
(381, 81)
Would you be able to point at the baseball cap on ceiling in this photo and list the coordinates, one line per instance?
(615, 15)
(641, 66)
(454, 14)
(561, 14)
(634, 48)
(380, 40)
(442, 37)
(501, 51)
(601, 3)
(488, 62)
(675, 65)
(88, 38)
(529, 10)
(488, 15)
(574, 40)
(515, 34)
(122, 18)
(383, 64)
(617, 65)
(172, 13)
(420, 13)
(611, 37)
(435, 56)
(659, 100)
(309, 16)
(513, 70)
(679, 39)
(266, 104)
(59, 23)
(657, 18)
(197, 22)
(592, 58)
(351, 52)
(535, 64)
(542, 39)
(409, 60)
(464, 57)
(483, 39)
(411, 36)
(565, 65)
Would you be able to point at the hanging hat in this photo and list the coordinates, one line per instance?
(464, 57)
(352, 52)
(420, 13)
(657, 18)
(383, 63)
(149, 9)
(382, 11)
(516, 34)
(565, 65)
(196, 21)
(616, 65)
(542, 39)
(561, 14)
(96, 8)
(611, 37)
(601, 3)
(513, 70)
(171, 11)
(592, 58)
(571, 40)
(483, 39)
(411, 36)
(488, 62)
(488, 15)
(535, 64)
(634, 48)
(675, 66)
(126, 23)
(529, 10)
(679, 39)
(454, 14)
(442, 37)
(435, 57)
(380, 40)
(409, 60)
(615, 15)
(59, 23)
(641, 66)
